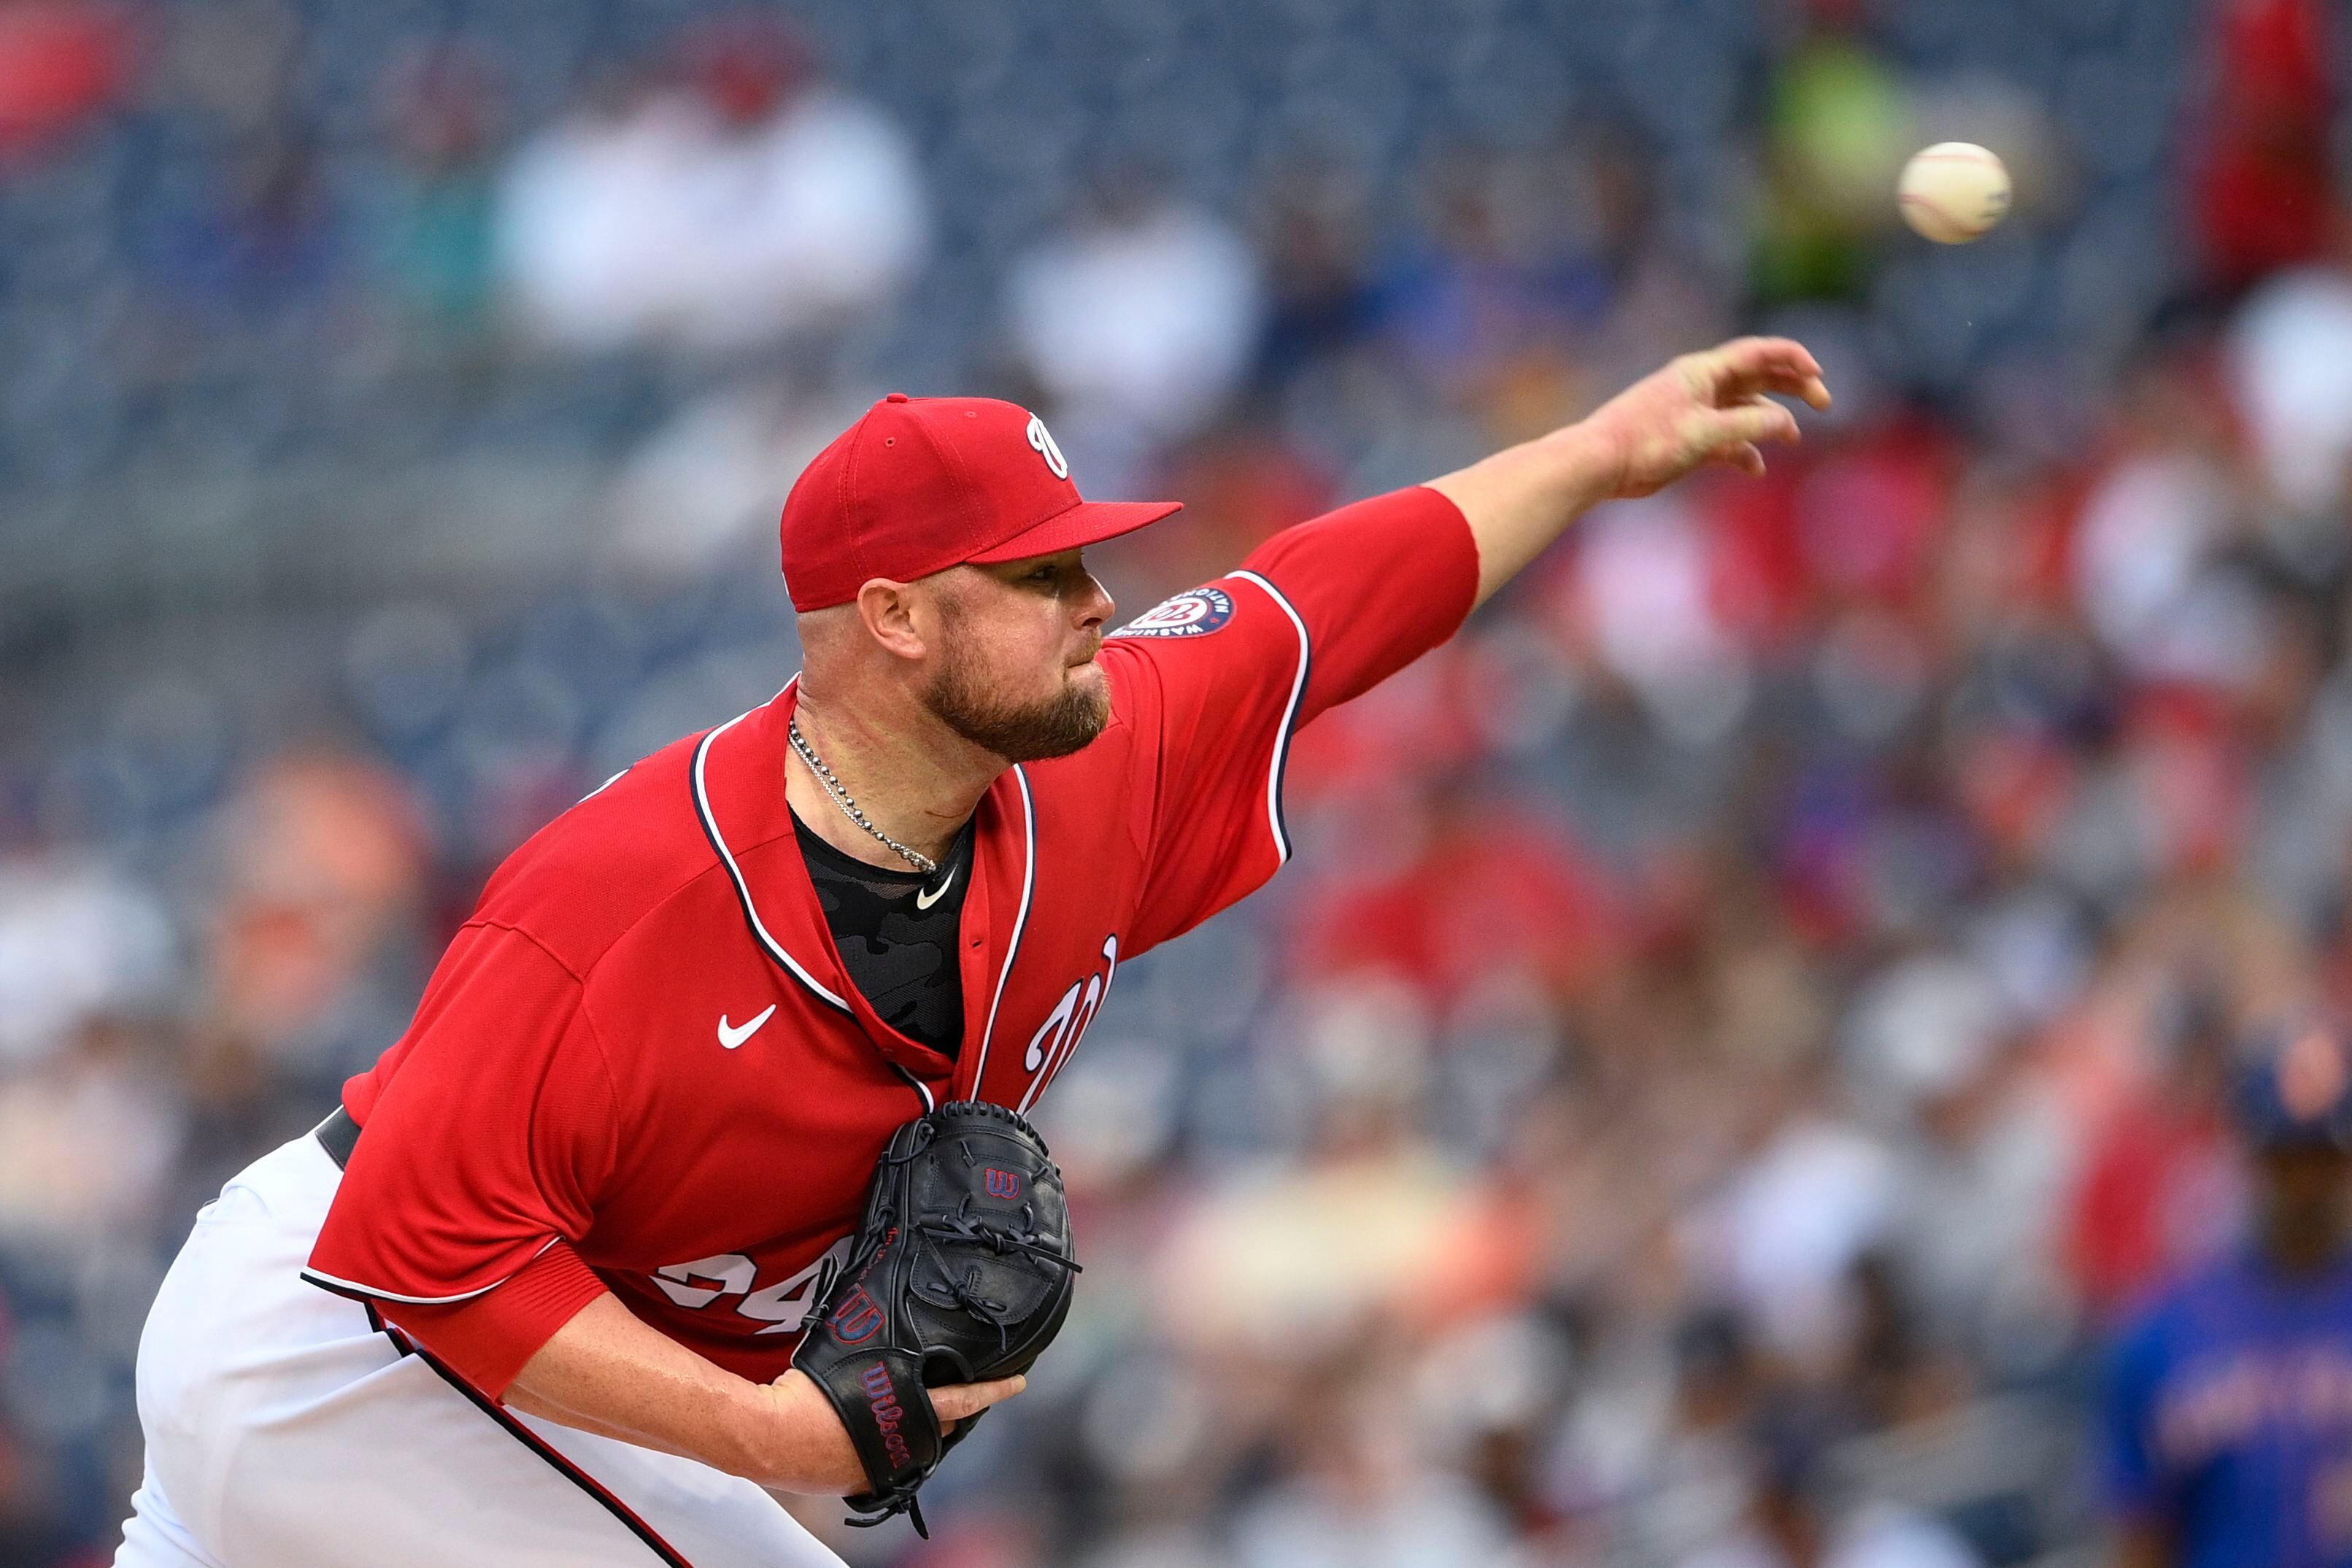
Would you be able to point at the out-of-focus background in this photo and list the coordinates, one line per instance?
(1744, 1018)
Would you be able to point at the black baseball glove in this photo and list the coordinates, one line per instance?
(961, 1273)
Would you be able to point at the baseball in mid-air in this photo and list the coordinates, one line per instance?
(1953, 192)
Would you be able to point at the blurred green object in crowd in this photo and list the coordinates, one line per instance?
(1838, 127)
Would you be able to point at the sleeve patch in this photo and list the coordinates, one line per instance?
(1195, 612)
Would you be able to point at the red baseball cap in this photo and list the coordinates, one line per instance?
(922, 484)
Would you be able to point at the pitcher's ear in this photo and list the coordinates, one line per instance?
(898, 616)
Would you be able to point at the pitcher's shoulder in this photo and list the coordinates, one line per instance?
(582, 880)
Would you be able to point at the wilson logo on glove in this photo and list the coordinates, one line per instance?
(856, 1318)
(883, 1400)
(1005, 1185)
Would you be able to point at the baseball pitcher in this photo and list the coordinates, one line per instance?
(703, 1172)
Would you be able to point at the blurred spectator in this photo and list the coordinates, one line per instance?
(437, 210)
(322, 863)
(586, 243)
(2147, 537)
(1522, 253)
(78, 944)
(1791, 1226)
(1651, 581)
(701, 490)
(1368, 1498)
(1793, 1521)
(1840, 130)
(2290, 348)
(60, 65)
(1137, 319)
(1454, 905)
(265, 237)
(2156, 1191)
(804, 207)
(2261, 149)
(754, 203)
(1279, 1260)
(102, 1092)
(1315, 234)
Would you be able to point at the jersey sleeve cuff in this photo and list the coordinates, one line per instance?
(487, 1339)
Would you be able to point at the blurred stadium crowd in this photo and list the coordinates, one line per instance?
(1744, 1018)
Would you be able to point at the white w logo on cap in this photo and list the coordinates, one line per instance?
(1041, 440)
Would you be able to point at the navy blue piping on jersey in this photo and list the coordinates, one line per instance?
(351, 1289)
(703, 814)
(1289, 719)
(1019, 921)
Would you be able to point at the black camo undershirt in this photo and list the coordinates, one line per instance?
(900, 955)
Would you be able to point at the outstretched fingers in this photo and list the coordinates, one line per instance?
(1746, 366)
(1743, 456)
(1733, 435)
(1754, 420)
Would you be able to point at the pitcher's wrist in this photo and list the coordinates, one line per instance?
(1582, 465)
(795, 1440)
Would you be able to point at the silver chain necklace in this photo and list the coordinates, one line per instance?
(825, 776)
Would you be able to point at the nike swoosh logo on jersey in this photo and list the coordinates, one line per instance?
(925, 898)
(730, 1037)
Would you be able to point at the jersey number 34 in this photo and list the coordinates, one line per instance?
(781, 1307)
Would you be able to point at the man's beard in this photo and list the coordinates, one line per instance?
(1017, 732)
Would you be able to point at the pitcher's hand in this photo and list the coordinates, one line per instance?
(820, 1457)
(1707, 407)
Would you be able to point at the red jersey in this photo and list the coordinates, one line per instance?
(641, 1067)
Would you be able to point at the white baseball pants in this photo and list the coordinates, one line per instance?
(284, 1431)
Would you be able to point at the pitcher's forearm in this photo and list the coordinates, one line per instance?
(607, 1371)
(1523, 497)
(529, 1404)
